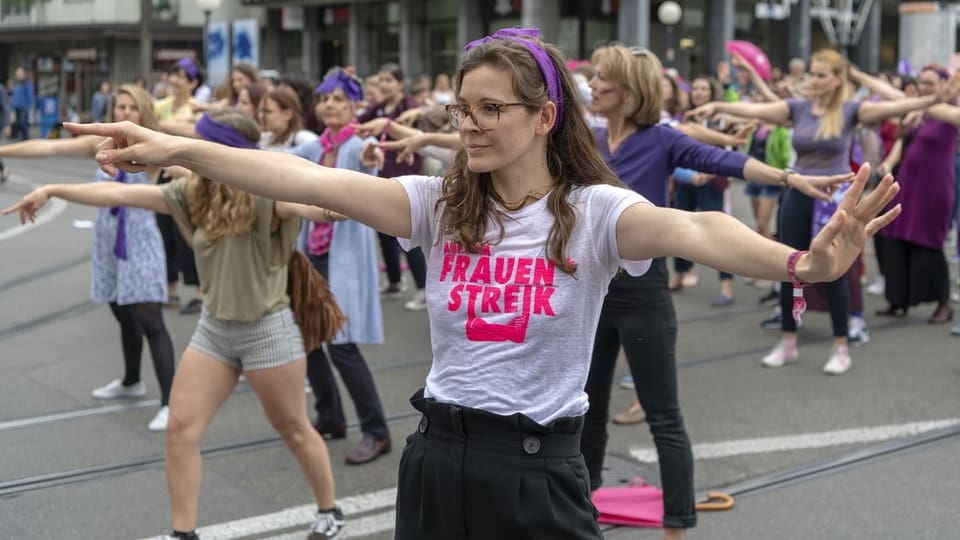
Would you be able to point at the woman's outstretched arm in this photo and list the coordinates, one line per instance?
(723, 242)
(377, 202)
(92, 194)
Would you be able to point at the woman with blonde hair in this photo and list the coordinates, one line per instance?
(638, 313)
(522, 236)
(242, 243)
(823, 127)
(129, 270)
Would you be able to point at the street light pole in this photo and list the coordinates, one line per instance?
(669, 14)
(206, 39)
(207, 7)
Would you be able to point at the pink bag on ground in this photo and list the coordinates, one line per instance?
(635, 505)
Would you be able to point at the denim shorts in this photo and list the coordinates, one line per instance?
(272, 341)
(754, 189)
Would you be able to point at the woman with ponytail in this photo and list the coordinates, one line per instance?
(823, 127)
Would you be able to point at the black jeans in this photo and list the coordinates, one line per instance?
(390, 249)
(638, 315)
(136, 321)
(794, 224)
(470, 474)
(702, 198)
(356, 376)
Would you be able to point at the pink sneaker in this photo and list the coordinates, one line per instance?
(839, 362)
(782, 353)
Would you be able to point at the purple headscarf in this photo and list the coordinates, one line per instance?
(190, 67)
(344, 81)
(527, 37)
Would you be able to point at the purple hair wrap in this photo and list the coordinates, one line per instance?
(218, 132)
(344, 81)
(188, 65)
(527, 37)
(120, 244)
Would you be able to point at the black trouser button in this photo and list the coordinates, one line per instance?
(531, 445)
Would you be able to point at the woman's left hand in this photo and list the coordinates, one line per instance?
(841, 240)
(818, 187)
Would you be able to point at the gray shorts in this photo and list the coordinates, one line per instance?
(272, 341)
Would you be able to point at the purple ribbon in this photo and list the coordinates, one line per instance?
(527, 37)
(344, 81)
(218, 132)
(120, 245)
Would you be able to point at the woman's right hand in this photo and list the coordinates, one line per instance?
(29, 205)
(128, 146)
(707, 110)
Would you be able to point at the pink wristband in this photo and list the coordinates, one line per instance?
(799, 304)
(386, 127)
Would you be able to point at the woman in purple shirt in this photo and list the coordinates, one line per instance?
(823, 126)
(638, 312)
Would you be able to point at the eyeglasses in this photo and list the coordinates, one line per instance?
(484, 115)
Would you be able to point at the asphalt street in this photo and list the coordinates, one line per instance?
(871, 454)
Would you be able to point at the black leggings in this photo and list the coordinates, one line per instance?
(795, 222)
(390, 249)
(137, 320)
(638, 314)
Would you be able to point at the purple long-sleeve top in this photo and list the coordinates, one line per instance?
(645, 159)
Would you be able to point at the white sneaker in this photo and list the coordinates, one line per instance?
(115, 389)
(839, 362)
(878, 286)
(327, 524)
(419, 302)
(858, 334)
(159, 422)
(782, 353)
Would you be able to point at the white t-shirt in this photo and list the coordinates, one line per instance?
(510, 332)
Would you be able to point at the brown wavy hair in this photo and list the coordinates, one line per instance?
(216, 208)
(468, 199)
(287, 100)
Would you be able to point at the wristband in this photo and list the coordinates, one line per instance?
(784, 175)
(386, 127)
(799, 304)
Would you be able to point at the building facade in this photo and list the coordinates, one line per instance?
(427, 36)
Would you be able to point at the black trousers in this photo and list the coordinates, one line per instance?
(638, 315)
(794, 224)
(177, 249)
(390, 249)
(356, 377)
(469, 474)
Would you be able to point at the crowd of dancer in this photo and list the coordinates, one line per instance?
(529, 202)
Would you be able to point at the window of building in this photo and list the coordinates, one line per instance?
(385, 33)
(14, 8)
(440, 36)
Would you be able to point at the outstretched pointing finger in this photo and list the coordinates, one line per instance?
(852, 197)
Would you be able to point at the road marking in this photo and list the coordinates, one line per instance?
(53, 209)
(367, 526)
(823, 439)
(302, 516)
